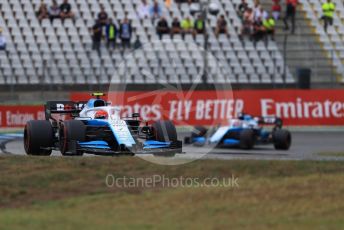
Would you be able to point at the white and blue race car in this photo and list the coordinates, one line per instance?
(244, 132)
(95, 127)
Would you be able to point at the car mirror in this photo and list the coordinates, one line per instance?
(136, 115)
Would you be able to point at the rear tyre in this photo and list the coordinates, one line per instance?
(247, 139)
(38, 137)
(165, 131)
(72, 132)
(282, 139)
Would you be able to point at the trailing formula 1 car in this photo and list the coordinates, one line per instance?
(244, 132)
(95, 127)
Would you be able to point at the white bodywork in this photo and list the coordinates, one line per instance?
(118, 126)
(113, 112)
(233, 124)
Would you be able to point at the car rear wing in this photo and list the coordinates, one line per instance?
(63, 107)
(270, 120)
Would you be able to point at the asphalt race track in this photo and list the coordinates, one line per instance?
(305, 146)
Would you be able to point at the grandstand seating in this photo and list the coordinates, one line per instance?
(332, 41)
(61, 52)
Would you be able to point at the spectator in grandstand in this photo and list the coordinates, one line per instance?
(162, 27)
(256, 7)
(137, 43)
(247, 25)
(290, 14)
(258, 31)
(125, 33)
(66, 10)
(221, 26)
(111, 33)
(199, 26)
(102, 16)
(2, 41)
(143, 10)
(328, 9)
(175, 28)
(187, 26)
(97, 34)
(54, 11)
(276, 10)
(155, 11)
(242, 8)
(269, 25)
(260, 13)
(168, 3)
(42, 12)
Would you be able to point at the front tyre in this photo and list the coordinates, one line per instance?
(282, 139)
(72, 132)
(38, 138)
(165, 131)
(247, 139)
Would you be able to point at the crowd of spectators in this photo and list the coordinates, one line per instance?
(257, 23)
(189, 26)
(177, 26)
(105, 28)
(55, 11)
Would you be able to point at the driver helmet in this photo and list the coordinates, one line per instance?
(101, 114)
(241, 116)
(244, 117)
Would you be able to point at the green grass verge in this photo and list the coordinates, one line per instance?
(332, 154)
(70, 193)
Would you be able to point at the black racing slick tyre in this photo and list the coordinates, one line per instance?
(247, 139)
(282, 139)
(72, 132)
(165, 131)
(38, 138)
(199, 131)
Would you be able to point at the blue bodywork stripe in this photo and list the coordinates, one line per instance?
(94, 144)
(231, 142)
(156, 144)
(97, 122)
(199, 140)
(129, 142)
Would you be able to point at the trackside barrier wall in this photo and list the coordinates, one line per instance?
(296, 107)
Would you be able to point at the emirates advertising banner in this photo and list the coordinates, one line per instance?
(295, 107)
(12, 116)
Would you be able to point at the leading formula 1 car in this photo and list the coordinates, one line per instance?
(244, 132)
(95, 127)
